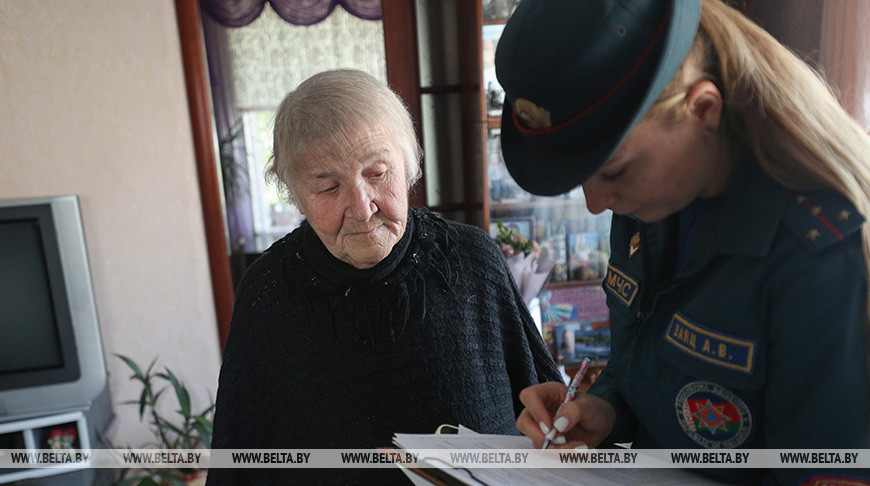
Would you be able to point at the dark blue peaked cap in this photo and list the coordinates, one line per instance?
(578, 76)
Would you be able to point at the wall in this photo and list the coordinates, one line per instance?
(93, 103)
(796, 23)
(832, 37)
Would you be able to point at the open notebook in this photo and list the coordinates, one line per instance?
(440, 464)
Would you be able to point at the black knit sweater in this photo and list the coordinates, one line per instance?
(322, 355)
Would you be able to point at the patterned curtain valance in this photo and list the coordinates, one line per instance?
(238, 13)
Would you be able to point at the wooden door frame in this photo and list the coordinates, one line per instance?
(197, 85)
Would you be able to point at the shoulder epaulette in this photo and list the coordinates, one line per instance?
(821, 218)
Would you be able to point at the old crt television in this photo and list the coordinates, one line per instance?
(51, 355)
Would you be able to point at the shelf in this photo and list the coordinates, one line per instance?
(577, 240)
(66, 432)
(573, 283)
(535, 204)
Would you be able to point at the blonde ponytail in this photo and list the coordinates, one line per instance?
(780, 108)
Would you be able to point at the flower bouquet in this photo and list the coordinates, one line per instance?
(529, 264)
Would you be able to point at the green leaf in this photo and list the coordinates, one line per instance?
(133, 366)
(203, 422)
(180, 392)
(204, 429)
(169, 426)
(151, 366)
(160, 392)
(143, 401)
(192, 431)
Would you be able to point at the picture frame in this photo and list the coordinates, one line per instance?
(577, 340)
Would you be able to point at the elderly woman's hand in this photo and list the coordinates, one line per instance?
(586, 420)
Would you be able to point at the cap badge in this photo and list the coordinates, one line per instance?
(531, 115)
(634, 245)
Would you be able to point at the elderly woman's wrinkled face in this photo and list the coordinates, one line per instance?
(355, 199)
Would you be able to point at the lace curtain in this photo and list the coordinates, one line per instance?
(238, 13)
(271, 57)
(845, 54)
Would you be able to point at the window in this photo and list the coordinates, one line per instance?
(272, 216)
(267, 59)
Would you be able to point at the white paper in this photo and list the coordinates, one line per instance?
(526, 476)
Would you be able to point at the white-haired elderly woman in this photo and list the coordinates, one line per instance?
(372, 317)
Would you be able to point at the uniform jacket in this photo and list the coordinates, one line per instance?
(759, 340)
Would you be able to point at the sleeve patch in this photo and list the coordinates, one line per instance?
(618, 284)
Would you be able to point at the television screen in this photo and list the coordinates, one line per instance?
(30, 339)
(51, 354)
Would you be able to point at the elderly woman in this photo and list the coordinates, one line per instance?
(370, 318)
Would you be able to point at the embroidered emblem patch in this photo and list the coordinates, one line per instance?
(634, 245)
(620, 285)
(711, 345)
(712, 416)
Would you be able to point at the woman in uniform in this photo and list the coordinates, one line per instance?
(737, 283)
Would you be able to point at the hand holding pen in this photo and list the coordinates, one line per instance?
(586, 420)
(572, 392)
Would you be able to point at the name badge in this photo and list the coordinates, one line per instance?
(620, 285)
(711, 345)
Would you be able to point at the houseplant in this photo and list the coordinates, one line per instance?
(185, 430)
